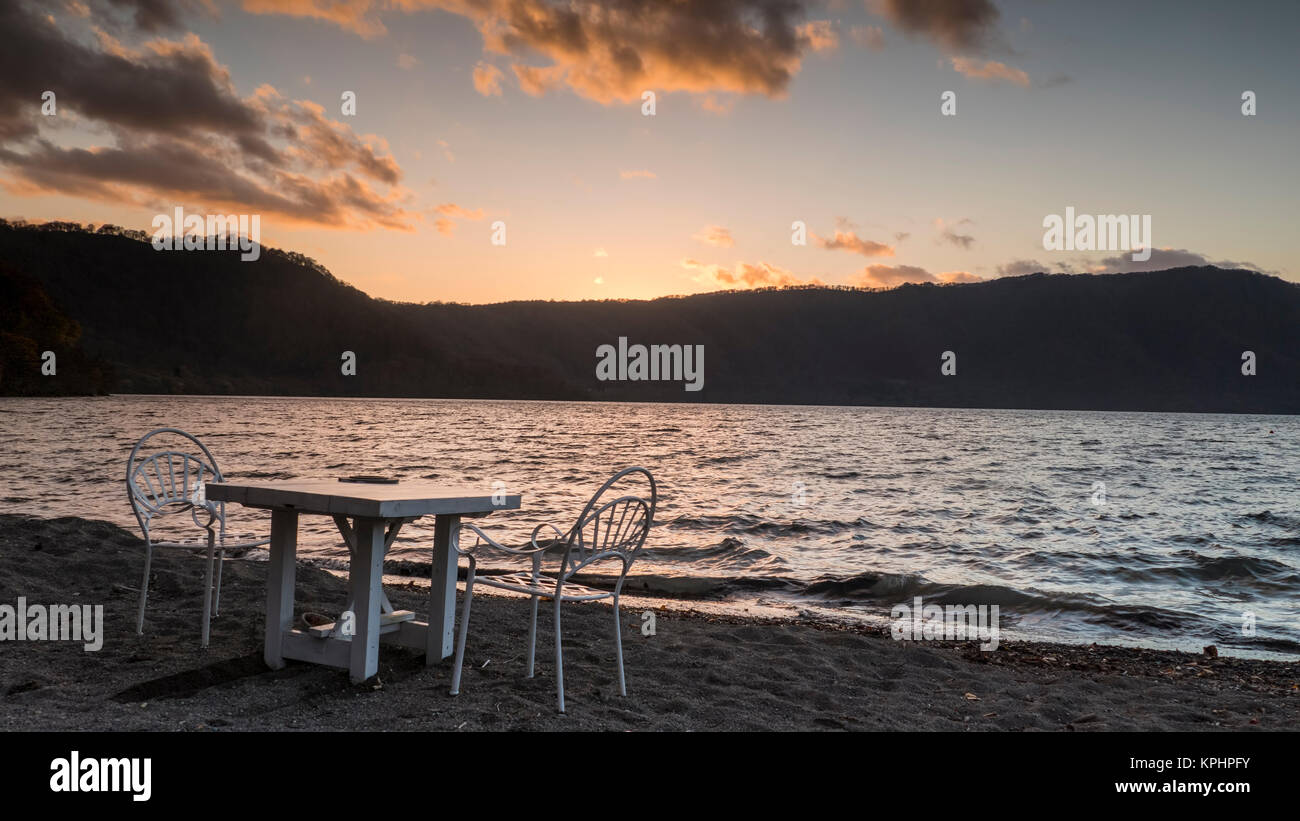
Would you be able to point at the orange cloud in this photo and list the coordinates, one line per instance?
(820, 34)
(537, 81)
(847, 240)
(990, 70)
(487, 80)
(611, 53)
(760, 275)
(715, 235)
(890, 276)
(635, 175)
(448, 211)
(451, 209)
(353, 15)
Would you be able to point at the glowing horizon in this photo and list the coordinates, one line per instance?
(470, 114)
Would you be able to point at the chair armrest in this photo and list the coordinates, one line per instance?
(597, 558)
(534, 551)
(208, 507)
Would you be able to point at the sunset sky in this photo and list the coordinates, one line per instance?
(767, 112)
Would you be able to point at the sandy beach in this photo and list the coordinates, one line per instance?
(698, 672)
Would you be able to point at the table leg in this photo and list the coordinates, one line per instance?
(442, 590)
(350, 539)
(279, 583)
(367, 578)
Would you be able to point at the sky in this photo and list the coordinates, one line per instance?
(471, 114)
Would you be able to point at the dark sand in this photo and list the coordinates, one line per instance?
(699, 672)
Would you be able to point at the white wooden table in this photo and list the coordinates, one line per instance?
(369, 517)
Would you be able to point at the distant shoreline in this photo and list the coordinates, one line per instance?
(636, 402)
(1188, 339)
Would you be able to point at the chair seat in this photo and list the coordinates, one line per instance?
(545, 587)
(232, 541)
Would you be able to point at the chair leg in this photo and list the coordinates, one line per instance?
(144, 588)
(207, 594)
(618, 645)
(464, 629)
(532, 638)
(559, 658)
(216, 595)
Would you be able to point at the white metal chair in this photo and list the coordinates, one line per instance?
(165, 482)
(607, 530)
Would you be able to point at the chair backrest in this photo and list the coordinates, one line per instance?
(165, 481)
(611, 524)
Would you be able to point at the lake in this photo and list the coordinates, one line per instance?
(1161, 530)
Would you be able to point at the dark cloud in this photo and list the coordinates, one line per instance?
(1056, 80)
(178, 129)
(168, 87)
(162, 171)
(949, 235)
(953, 238)
(1162, 259)
(956, 25)
(1020, 267)
(612, 50)
(147, 15)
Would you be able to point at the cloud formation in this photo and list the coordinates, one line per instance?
(178, 132)
(820, 34)
(714, 235)
(354, 15)
(950, 236)
(955, 25)
(745, 275)
(150, 16)
(846, 239)
(611, 50)
(449, 211)
(872, 37)
(1021, 267)
(891, 276)
(1161, 258)
(487, 80)
(990, 70)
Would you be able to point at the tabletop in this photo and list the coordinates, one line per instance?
(379, 501)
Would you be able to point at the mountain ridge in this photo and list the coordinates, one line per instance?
(204, 322)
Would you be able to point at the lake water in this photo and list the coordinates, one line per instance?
(847, 510)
